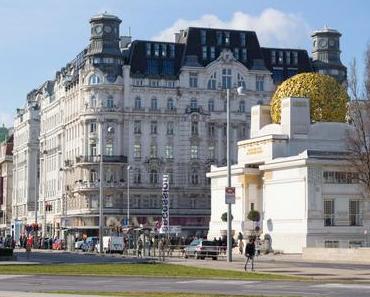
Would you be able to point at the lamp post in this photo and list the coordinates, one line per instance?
(228, 153)
(44, 228)
(101, 187)
(128, 195)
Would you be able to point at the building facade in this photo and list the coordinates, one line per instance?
(296, 174)
(157, 107)
(6, 185)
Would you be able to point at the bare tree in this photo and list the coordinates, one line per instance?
(359, 117)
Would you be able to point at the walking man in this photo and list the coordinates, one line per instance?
(250, 251)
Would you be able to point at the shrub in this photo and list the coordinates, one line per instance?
(6, 252)
(224, 217)
(254, 216)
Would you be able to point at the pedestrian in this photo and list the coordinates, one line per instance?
(161, 248)
(241, 246)
(28, 247)
(250, 251)
(139, 248)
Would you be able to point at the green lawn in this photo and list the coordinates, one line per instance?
(152, 270)
(151, 294)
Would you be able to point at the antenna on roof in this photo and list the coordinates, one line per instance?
(129, 31)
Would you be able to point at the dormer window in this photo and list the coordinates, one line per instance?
(295, 58)
(204, 53)
(193, 80)
(94, 80)
(227, 38)
(172, 50)
(244, 55)
(281, 58)
(212, 82)
(164, 50)
(203, 37)
(219, 37)
(156, 50)
(236, 53)
(212, 52)
(242, 40)
(273, 57)
(148, 49)
(287, 57)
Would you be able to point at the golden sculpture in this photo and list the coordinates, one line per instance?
(328, 99)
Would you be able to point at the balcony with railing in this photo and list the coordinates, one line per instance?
(106, 159)
(81, 186)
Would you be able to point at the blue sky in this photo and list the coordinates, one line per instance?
(41, 36)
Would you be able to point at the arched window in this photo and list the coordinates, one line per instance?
(110, 102)
(137, 103)
(212, 82)
(194, 176)
(93, 101)
(93, 176)
(170, 105)
(94, 80)
(211, 105)
(242, 106)
(154, 104)
(153, 176)
(241, 81)
(193, 103)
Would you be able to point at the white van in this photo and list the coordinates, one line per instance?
(113, 244)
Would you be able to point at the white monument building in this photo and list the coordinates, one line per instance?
(295, 174)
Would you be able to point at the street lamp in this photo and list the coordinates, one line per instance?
(128, 195)
(44, 228)
(229, 217)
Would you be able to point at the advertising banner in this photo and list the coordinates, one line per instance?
(165, 205)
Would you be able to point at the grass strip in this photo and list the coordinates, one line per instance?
(148, 270)
(150, 294)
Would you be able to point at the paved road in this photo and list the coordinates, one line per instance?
(232, 287)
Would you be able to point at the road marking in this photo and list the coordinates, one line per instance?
(343, 286)
(2, 277)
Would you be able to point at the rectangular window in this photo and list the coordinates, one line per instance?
(242, 40)
(153, 151)
(226, 78)
(219, 37)
(260, 83)
(331, 243)
(211, 130)
(164, 50)
(169, 152)
(153, 127)
(193, 80)
(273, 57)
(156, 49)
(236, 53)
(93, 149)
(137, 176)
(227, 38)
(108, 201)
(194, 152)
(137, 127)
(244, 55)
(295, 58)
(287, 57)
(355, 213)
(203, 37)
(109, 149)
(329, 218)
(172, 50)
(204, 53)
(252, 206)
(92, 127)
(148, 49)
(281, 57)
(211, 152)
(338, 177)
(277, 75)
(212, 52)
(194, 129)
(137, 151)
(225, 129)
(169, 128)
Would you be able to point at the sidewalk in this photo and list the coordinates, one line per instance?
(28, 294)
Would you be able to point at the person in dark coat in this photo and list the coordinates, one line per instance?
(250, 251)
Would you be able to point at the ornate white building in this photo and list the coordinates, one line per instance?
(161, 108)
(296, 174)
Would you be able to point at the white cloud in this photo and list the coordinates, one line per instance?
(7, 119)
(274, 28)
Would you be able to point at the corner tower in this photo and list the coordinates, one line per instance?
(326, 54)
(104, 50)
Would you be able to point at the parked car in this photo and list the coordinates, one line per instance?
(200, 249)
(78, 244)
(89, 244)
(58, 244)
(113, 244)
